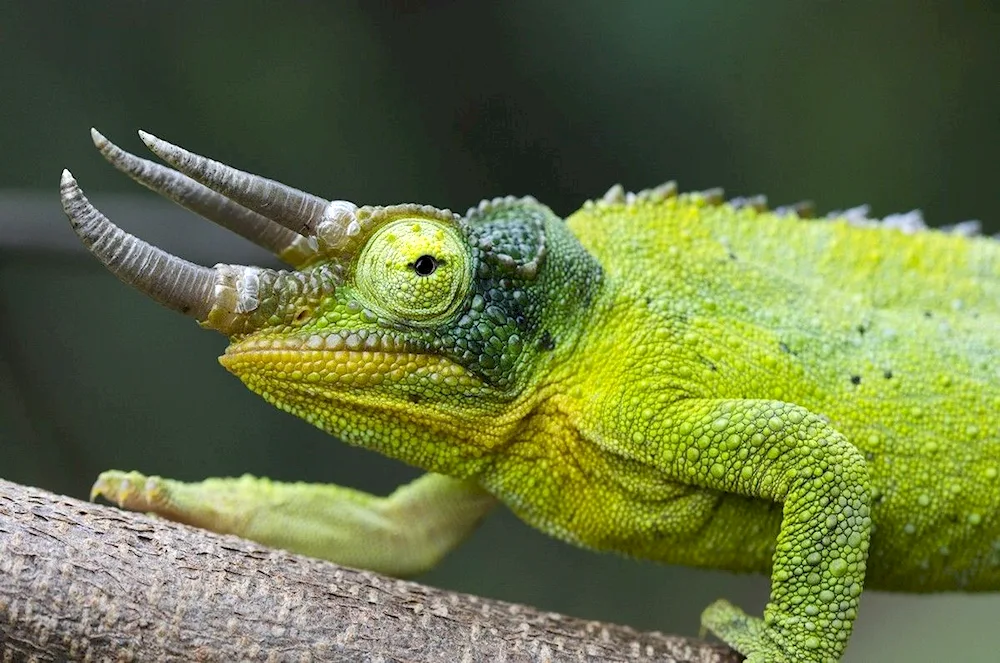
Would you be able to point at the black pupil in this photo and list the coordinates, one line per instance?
(425, 265)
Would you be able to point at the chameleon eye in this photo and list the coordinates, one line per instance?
(425, 265)
(414, 270)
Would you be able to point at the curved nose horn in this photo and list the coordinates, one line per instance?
(172, 281)
(201, 200)
(226, 298)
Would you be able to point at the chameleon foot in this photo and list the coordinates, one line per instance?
(131, 490)
(220, 505)
(747, 635)
(405, 533)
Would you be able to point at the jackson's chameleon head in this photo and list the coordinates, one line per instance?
(408, 329)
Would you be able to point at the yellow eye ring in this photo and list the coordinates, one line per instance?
(414, 270)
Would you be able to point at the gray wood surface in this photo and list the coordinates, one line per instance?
(81, 581)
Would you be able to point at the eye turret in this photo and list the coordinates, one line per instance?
(416, 271)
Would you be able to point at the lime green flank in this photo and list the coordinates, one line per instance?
(667, 376)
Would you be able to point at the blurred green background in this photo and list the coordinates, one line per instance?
(896, 104)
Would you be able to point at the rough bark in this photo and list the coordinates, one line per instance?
(84, 582)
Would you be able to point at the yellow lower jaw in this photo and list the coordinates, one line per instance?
(348, 368)
(355, 391)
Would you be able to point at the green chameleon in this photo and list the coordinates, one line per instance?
(663, 375)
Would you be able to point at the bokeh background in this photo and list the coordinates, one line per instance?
(896, 104)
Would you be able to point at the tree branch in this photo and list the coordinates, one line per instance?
(81, 581)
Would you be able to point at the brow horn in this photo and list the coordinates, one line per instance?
(276, 238)
(296, 210)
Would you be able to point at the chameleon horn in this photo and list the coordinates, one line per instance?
(201, 200)
(171, 281)
(296, 210)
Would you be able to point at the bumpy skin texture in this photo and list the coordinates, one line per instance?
(667, 377)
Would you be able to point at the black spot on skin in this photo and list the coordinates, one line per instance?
(855, 379)
(887, 375)
(414, 398)
(928, 314)
(862, 329)
(649, 300)
(546, 342)
(787, 350)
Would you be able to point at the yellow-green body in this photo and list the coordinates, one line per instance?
(667, 377)
(893, 337)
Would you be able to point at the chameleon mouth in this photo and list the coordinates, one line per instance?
(353, 341)
(340, 360)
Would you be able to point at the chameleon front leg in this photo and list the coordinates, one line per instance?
(403, 534)
(781, 452)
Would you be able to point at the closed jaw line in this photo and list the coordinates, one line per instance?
(348, 359)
